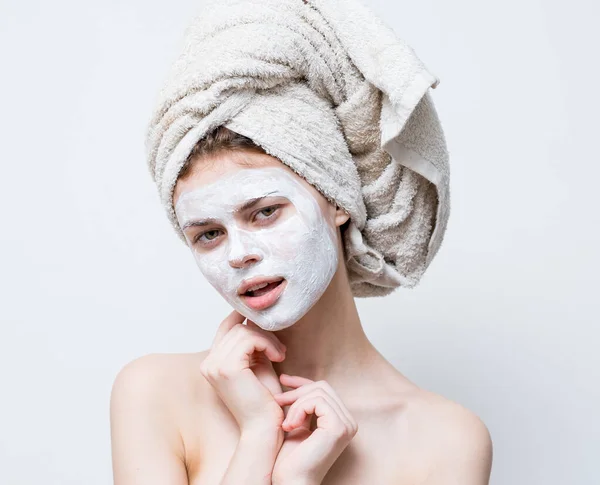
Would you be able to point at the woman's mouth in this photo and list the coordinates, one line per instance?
(263, 295)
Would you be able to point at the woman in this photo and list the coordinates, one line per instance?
(217, 417)
(274, 163)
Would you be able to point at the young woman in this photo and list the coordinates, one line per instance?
(296, 394)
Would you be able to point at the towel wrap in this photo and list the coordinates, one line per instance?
(330, 90)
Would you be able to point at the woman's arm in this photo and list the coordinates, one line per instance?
(253, 460)
(146, 444)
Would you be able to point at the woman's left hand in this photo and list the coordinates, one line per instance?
(306, 456)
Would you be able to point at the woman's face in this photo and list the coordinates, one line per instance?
(264, 238)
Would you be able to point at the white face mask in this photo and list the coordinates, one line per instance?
(296, 244)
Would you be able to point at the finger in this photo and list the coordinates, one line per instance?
(302, 428)
(294, 381)
(301, 386)
(327, 387)
(235, 351)
(314, 390)
(327, 418)
(226, 325)
(263, 370)
(251, 325)
(240, 333)
(242, 346)
(290, 396)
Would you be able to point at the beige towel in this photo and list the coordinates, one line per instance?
(330, 90)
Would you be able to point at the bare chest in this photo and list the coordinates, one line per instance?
(351, 468)
(374, 455)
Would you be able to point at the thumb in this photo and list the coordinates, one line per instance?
(227, 324)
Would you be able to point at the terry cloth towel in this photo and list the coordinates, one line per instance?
(330, 90)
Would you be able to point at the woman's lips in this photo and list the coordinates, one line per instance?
(266, 300)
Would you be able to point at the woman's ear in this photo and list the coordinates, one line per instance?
(341, 216)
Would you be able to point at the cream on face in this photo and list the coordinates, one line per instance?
(296, 243)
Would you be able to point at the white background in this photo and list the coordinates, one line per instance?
(505, 320)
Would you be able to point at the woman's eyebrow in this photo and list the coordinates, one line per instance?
(200, 222)
(246, 205)
(252, 202)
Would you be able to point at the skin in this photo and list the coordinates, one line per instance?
(265, 220)
(216, 417)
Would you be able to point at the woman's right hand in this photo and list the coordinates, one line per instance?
(239, 368)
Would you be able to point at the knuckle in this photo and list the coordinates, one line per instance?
(263, 342)
(299, 402)
(327, 387)
(252, 336)
(205, 367)
(257, 337)
(321, 384)
(274, 341)
(340, 432)
(302, 401)
(209, 373)
(225, 372)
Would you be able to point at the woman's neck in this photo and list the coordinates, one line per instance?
(329, 340)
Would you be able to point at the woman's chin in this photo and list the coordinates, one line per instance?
(270, 322)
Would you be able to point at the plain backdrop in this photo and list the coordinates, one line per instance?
(504, 322)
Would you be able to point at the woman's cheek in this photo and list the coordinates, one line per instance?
(284, 248)
(211, 266)
(291, 237)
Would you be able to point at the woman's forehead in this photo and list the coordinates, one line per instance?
(221, 166)
(217, 165)
(234, 189)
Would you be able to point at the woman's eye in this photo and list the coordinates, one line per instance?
(267, 212)
(207, 236)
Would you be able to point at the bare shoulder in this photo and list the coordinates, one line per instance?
(159, 385)
(454, 438)
(152, 374)
(147, 403)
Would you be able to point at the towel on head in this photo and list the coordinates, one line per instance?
(330, 90)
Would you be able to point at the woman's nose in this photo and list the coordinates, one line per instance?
(243, 261)
(242, 251)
